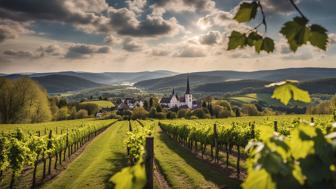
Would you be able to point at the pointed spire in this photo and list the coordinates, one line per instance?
(188, 85)
(173, 93)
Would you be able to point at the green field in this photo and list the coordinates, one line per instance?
(100, 103)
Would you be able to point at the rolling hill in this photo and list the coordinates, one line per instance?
(231, 86)
(64, 83)
(203, 78)
(109, 78)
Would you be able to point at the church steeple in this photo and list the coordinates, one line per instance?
(188, 86)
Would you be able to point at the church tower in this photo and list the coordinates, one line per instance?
(188, 95)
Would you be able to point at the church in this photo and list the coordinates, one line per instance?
(173, 100)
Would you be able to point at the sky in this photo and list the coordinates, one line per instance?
(148, 35)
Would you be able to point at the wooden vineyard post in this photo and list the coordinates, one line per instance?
(35, 165)
(238, 161)
(253, 130)
(216, 142)
(149, 162)
(276, 126)
(49, 146)
(130, 130)
(312, 120)
(68, 146)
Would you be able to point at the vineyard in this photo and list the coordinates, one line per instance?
(282, 151)
(298, 144)
(30, 148)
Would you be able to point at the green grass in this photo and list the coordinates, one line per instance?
(54, 125)
(183, 170)
(100, 103)
(103, 157)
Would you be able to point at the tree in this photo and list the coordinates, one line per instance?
(81, 114)
(152, 112)
(182, 113)
(90, 107)
(171, 115)
(146, 105)
(158, 108)
(139, 113)
(298, 32)
(23, 101)
(249, 109)
(63, 113)
(62, 102)
(200, 113)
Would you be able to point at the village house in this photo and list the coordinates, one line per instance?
(129, 103)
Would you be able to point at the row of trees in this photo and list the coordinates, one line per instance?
(23, 100)
(218, 109)
(324, 107)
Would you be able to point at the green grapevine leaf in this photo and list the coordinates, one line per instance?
(318, 36)
(299, 146)
(296, 32)
(236, 40)
(252, 38)
(246, 12)
(285, 91)
(259, 179)
(268, 45)
(130, 177)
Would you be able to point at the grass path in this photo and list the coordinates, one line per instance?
(103, 157)
(183, 170)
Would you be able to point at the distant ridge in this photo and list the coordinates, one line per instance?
(202, 78)
(64, 83)
(108, 78)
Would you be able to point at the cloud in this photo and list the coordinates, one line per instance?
(190, 51)
(85, 51)
(211, 38)
(125, 22)
(10, 29)
(186, 5)
(136, 5)
(132, 45)
(218, 18)
(112, 40)
(332, 38)
(52, 50)
(18, 54)
(74, 11)
(276, 6)
(160, 52)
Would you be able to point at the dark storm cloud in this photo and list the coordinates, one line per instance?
(152, 26)
(125, 22)
(90, 16)
(85, 51)
(82, 12)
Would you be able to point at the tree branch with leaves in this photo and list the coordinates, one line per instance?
(298, 31)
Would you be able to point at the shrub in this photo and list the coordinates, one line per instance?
(171, 115)
(81, 114)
